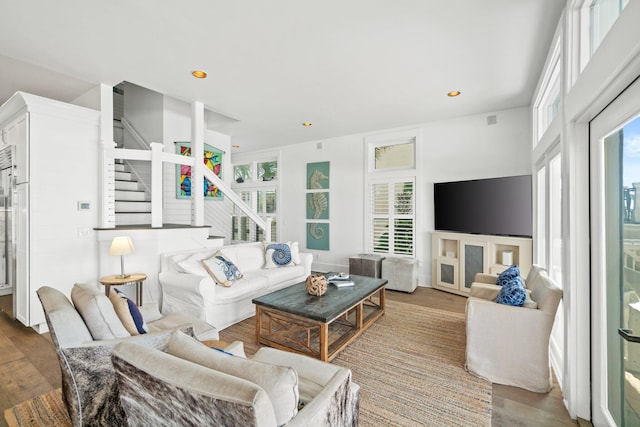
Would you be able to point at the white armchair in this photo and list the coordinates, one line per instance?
(510, 345)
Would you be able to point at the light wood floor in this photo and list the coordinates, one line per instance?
(29, 367)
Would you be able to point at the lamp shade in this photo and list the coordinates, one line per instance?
(121, 246)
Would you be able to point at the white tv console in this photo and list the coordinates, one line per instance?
(457, 257)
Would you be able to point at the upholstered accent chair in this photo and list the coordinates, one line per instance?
(191, 384)
(510, 345)
(84, 336)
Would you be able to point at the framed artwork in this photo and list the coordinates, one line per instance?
(318, 205)
(212, 159)
(318, 176)
(318, 236)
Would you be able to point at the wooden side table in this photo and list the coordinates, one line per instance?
(116, 280)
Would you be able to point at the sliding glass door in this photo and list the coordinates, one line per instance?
(615, 218)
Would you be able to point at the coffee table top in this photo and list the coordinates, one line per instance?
(295, 299)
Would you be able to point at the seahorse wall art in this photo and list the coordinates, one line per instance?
(318, 203)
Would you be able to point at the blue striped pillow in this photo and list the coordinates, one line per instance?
(128, 313)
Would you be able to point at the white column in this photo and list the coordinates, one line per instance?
(197, 151)
(107, 201)
(156, 184)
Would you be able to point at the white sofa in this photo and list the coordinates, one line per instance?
(198, 295)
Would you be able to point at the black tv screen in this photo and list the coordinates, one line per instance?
(496, 206)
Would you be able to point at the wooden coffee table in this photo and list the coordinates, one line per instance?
(320, 327)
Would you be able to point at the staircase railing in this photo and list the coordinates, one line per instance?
(158, 158)
(134, 133)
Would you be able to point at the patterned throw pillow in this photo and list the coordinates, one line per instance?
(128, 313)
(507, 275)
(217, 270)
(230, 270)
(512, 292)
(279, 253)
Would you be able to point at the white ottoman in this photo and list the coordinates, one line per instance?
(401, 273)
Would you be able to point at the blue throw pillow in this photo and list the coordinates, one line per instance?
(512, 292)
(507, 275)
(128, 313)
(281, 253)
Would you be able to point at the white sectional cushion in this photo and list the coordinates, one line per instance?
(279, 275)
(250, 285)
(98, 313)
(247, 256)
(279, 382)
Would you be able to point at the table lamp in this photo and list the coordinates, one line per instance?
(121, 246)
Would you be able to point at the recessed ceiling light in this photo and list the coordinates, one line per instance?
(453, 93)
(307, 124)
(199, 74)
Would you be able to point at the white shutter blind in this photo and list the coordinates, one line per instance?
(380, 211)
(392, 217)
(403, 218)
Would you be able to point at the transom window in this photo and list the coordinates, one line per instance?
(390, 193)
(596, 19)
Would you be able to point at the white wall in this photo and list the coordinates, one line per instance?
(143, 108)
(461, 148)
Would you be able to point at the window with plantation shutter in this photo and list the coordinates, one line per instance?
(390, 193)
(392, 214)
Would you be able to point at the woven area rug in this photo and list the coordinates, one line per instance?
(410, 367)
(45, 410)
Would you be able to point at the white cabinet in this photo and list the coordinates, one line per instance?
(458, 257)
(55, 163)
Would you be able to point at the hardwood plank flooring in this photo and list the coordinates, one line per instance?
(29, 367)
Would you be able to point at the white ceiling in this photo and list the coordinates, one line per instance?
(348, 66)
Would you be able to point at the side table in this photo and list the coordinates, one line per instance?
(116, 280)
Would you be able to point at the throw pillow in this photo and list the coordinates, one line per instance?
(230, 270)
(295, 252)
(277, 255)
(508, 275)
(513, 293)
(192, 265)
(279, 382)
(98, 313)
(278, 250)
(528, 302)
(128, 313)
(217, 270)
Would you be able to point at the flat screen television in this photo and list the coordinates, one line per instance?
(495, 206)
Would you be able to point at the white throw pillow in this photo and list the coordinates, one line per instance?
(192, 265)
(528, 302)
(295, 252)
(98, 313)
(279, 382)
